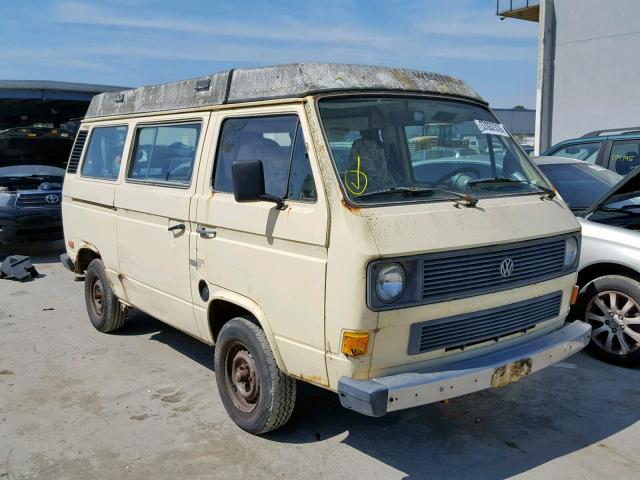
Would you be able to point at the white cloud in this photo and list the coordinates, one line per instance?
(284, 29)
(477, 25)
(54, 57)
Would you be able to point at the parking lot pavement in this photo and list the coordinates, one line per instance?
(142, 403)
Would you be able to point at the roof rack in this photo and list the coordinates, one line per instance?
(623, 131)
(266, 83)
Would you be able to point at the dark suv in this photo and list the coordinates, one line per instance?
(617, 149)
(32, 162)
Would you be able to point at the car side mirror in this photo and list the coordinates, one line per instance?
(248, 183)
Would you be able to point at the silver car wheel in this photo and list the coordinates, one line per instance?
(615, 321)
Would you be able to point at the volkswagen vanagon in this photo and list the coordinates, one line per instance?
(373, 231)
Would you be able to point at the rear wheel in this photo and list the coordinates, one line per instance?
(257, 396)
(105, 311)
(611, 305)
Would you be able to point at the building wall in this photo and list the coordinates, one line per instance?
(520, 123)
(596, 71)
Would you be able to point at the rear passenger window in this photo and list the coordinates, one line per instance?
(165, 153)
(582, 151)
(104, 153)
(624, 156)
(278, 142)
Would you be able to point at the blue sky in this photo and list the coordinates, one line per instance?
(137, 42)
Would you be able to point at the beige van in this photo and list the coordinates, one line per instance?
(287, 215)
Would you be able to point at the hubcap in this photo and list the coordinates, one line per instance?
(615, 322)
(97, 296)
(241, 377)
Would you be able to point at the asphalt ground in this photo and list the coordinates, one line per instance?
(142, 403)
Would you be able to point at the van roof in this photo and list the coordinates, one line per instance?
(294, 80)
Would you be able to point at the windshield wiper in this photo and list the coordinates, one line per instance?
(551, 193)
(467, 198)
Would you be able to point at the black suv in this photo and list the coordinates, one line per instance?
(617, 149)
(32, 163)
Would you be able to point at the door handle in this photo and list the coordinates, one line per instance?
(179, 226)
(206, 232)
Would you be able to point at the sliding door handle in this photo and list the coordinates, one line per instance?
(179, 226)
(206, 232)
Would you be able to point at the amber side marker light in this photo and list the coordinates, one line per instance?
(355, 344)
(71, 244)
(574, 295)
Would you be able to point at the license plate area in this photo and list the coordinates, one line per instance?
(510, 373)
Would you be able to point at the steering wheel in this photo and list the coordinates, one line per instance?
(459, 177)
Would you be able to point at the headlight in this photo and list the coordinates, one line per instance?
(7, 199)
(390, 282)
(570, 251)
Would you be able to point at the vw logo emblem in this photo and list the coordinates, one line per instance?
(506, 267)
(51, 198)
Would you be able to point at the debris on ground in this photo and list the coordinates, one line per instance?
(18, 267)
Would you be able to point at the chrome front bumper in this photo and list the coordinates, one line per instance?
(379, 396)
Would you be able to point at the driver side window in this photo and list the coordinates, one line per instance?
(278, 142)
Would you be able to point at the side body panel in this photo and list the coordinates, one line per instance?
(89, 213)
(154, 261)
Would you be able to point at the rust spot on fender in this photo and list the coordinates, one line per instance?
(354, 210)
(311, 379)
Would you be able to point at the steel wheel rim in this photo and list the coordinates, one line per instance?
(241, 377)
(97, 296)
(615, 321)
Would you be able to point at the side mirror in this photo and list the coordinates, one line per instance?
(248, 183)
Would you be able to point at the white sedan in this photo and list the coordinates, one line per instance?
(608, 208)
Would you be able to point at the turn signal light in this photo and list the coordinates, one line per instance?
(574, 295)
(355, 344)
(71, 244)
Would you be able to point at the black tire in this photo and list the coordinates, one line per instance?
(613, 329)
(106, 313)
(262, 398)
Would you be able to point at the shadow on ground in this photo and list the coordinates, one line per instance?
(40, 252)
(492, 434)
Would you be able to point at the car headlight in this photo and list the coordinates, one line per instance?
(6, 199)
(390, 282)
(570, 251)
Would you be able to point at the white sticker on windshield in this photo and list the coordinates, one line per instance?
(491, 128)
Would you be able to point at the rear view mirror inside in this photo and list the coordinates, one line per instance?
(407, 118)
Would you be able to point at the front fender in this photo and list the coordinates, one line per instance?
(249, 305)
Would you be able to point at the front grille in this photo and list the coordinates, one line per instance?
(38, 200)
(472, 272)
(472, 328)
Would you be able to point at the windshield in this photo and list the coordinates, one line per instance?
(619, 211)
(580, 184)
(398, 149)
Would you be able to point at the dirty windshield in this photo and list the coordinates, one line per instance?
(404, 149)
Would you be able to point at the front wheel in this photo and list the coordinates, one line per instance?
(611, 305)
(257, 396)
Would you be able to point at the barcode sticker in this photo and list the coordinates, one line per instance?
(491, 128)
